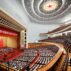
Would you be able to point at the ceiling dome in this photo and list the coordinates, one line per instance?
(50, 6)
(44, 10)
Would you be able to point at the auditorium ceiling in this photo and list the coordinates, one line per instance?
(46, 10)
(38, 16)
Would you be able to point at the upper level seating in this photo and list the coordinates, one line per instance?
(61, 64)
(67, 44)
(55, 39)
(65, 39)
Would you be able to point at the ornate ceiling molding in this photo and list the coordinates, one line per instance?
(44, 10)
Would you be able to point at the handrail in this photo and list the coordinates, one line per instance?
(55, 58)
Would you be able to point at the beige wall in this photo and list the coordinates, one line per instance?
(4, 40)
(12, 42)
(9, 41)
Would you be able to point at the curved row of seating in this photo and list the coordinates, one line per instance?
(24, 60)
(8, 54)
(66, 41)
(46, 55)
(5, 50)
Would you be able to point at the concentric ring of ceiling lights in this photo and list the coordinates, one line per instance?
(49, 6)
(44, 10)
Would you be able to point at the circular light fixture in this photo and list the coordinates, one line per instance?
(50, 6)
(45, 10)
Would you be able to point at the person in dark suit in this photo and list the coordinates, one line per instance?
(28, 68)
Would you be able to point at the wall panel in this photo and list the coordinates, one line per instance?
(3, 41)
(12, 42)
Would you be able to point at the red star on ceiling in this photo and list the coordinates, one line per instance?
(50, 6)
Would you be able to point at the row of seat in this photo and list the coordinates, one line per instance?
(26, 58)
(5, 50)
(7, 54)
(45, 57)
(66, 41)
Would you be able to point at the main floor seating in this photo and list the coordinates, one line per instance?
(46, 55)
(20, 63)
(4, 52)
(7, 54)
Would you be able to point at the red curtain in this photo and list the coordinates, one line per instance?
(1, 42)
